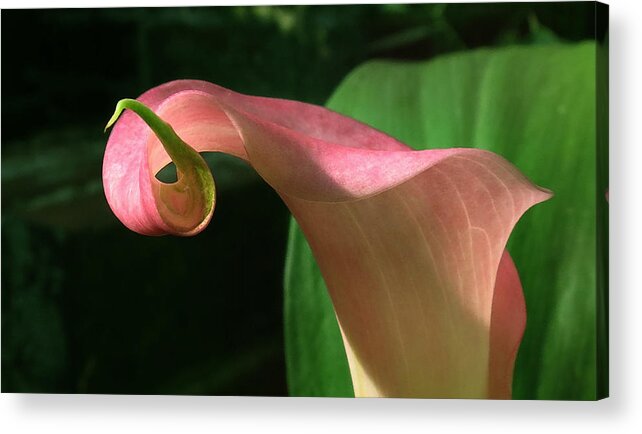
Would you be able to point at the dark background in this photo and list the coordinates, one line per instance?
(90, 307)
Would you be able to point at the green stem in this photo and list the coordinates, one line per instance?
(176, 148)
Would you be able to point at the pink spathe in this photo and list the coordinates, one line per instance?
(410, 243)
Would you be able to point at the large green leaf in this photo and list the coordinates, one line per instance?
(535, 106)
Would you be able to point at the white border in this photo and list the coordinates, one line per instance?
(620, 413)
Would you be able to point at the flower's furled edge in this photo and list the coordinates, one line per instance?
(410, 243)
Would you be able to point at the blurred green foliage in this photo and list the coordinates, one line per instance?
(87, 306)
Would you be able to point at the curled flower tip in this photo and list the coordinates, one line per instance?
(120, 107)
(174, 145)
(186, 205)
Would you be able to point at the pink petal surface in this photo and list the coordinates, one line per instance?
(508, 320)
(410, 243)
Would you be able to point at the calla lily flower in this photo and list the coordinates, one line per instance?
(411, 243)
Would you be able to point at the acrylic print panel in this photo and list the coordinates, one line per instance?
(437, 230)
